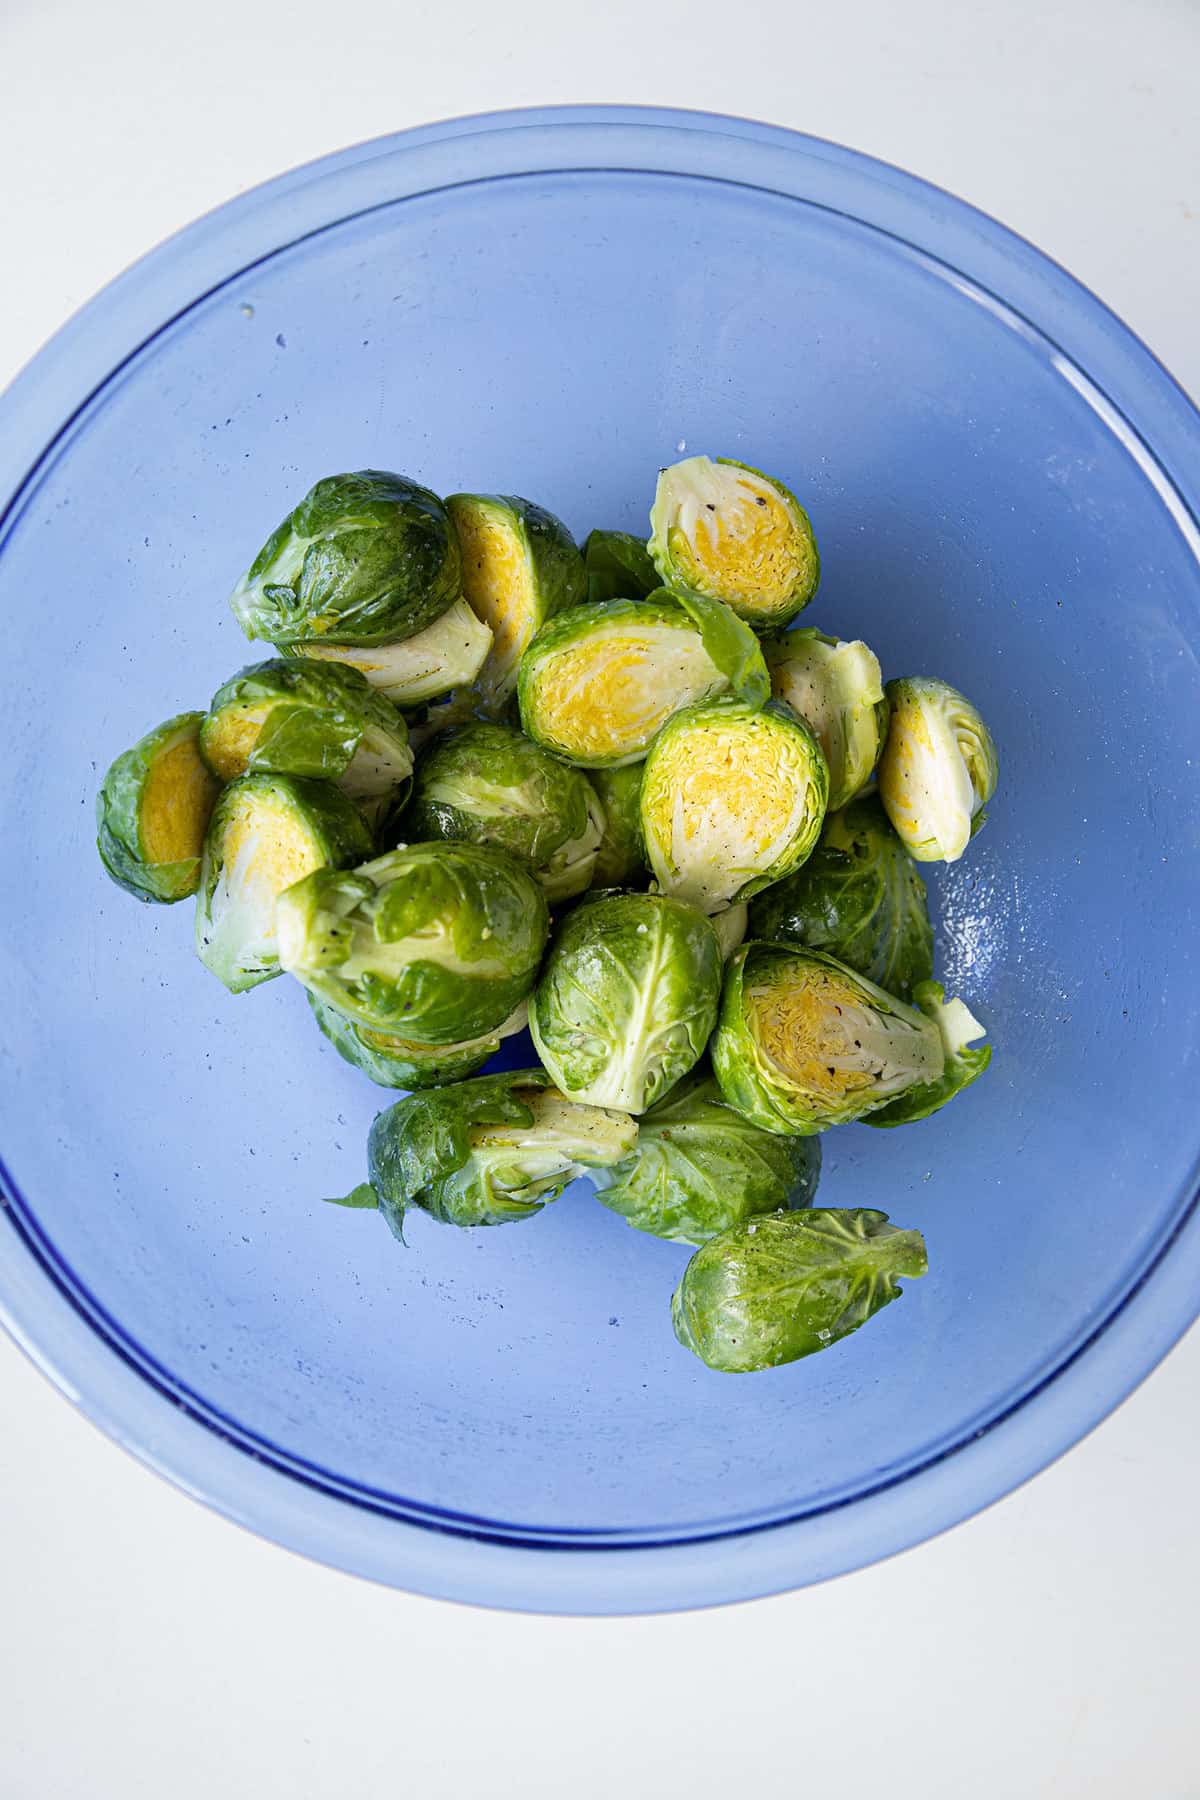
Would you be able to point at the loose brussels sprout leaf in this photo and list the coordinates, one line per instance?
(599, 681)
(777, 1288)
(732, 799)
(958, 1028)
(488, 784)
(837, 689)
(436, 943)
(618, 567)
(730, 643)
(520, 566)
(152, 812)
(730, 927)
(627, 998)
(311, 718)
(620, 861)
(368, 558)
(488, 1151)
(448, 654)
(804, 1043)
(397, 1062)
(728, 531)
(859, 897)
(267, 831)
(699, 1167)
(938, 769)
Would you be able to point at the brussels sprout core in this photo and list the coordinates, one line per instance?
(728, 531)
(446, 655)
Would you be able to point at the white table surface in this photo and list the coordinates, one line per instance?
(1046, 1648)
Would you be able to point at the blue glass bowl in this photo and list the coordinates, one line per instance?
(1004, 484)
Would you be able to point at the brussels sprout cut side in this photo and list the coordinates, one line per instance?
(627, 998)
(859, 897)
(520, 566)
(488, 784)
(152, 812)
(486, 1152)
(732, 799)
(398, 1062)
(837, 689)
(729, 532)
(777, 1288)
(448, 654)
(938, 769)
(436, 943)
(267, 831)
(699, 1167)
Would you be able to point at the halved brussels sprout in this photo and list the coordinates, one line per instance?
(730, 926)
(599, 681)
(627, 998)
(520, 566)
(266, 832)
(311, 718)
(804, 1043)
(732, 799)
(957, 1027)
(486, 1152)
(367, 558)
(620, 859)
(434, 942)
(699, 1167)
(859, 897)
(448, 654)
(789, 1284)
(730, 532)
(837, 688)
(152, 812)
(618, 567)
(938, 769)
(487, 784)
(398, 1062)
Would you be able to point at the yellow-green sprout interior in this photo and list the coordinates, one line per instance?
(609, 693)
(498, 582)
(176, 801)
(825, 1041)
(733, 535)
(230, 736)
(264, 849)
(925, 783)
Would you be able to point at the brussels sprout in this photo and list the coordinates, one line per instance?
(730, 927)
(699, 1167)
(620, 861)
(397, 1062)
(520, 565)
(618, 567)
(485, 1152)
(152, 812)
(789, 1284)
(837, 689)
(804, 1043)
(938, 769)
(266, 832)
(487, 784)
(436, 942)
(448, 654)
(367, 558)
(958, 1027)
(598, 681)
(730, 532)
(732, 799)
(859, 897)
(300, 718)
(627, 998)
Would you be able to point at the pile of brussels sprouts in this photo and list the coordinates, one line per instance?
(489, 780)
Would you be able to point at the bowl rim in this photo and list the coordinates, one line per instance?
(60, 1326)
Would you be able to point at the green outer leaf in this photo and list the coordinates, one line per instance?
(336, 834)
(397, 1063)
(837, 689)
(618, 567)
(366, 558)
(119, 818)
(730, 643)
(436, 942)
(799, 759)
(859, 897)
(963, 1066)
(627, 998)
(789, 1284)
(699, 1167)
(620, 857)
(489, 784)
(899, 1044)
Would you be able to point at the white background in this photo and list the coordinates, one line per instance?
(1045, 1649)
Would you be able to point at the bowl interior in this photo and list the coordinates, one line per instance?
(983, 514)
